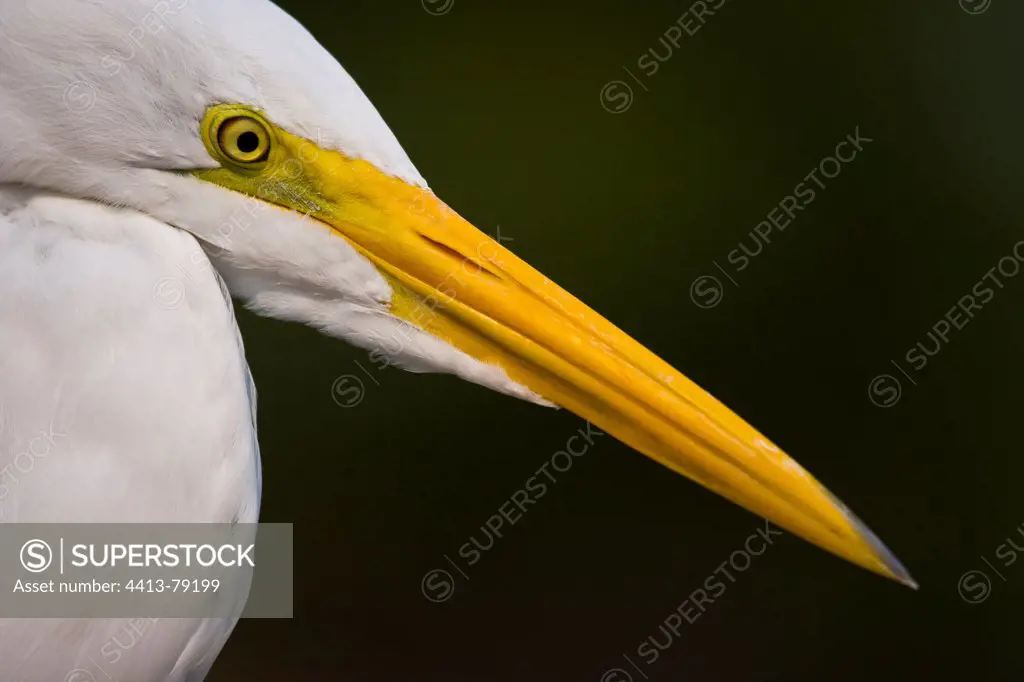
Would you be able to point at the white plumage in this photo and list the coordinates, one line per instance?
(120, 346)
(149, 394)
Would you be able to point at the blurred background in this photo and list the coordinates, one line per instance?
(633, 162)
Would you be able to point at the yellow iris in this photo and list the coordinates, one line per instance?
(238, 137)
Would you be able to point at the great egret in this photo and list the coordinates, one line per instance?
(217, 144)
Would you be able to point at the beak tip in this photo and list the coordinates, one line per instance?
(884, 561)
(898, 570)
(892, 567)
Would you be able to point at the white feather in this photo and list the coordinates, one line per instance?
(120, 357)
(147, 399)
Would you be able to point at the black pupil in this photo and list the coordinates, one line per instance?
(248, 142)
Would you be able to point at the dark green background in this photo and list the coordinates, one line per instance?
(498, 104)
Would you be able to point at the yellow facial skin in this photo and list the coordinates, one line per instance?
(455, 282)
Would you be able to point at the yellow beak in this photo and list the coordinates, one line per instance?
(457, 283)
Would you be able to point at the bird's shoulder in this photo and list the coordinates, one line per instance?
(124, 396)
(120, 350)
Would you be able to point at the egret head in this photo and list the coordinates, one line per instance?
(229, 121)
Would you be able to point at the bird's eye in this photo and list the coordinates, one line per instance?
(244, 140)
